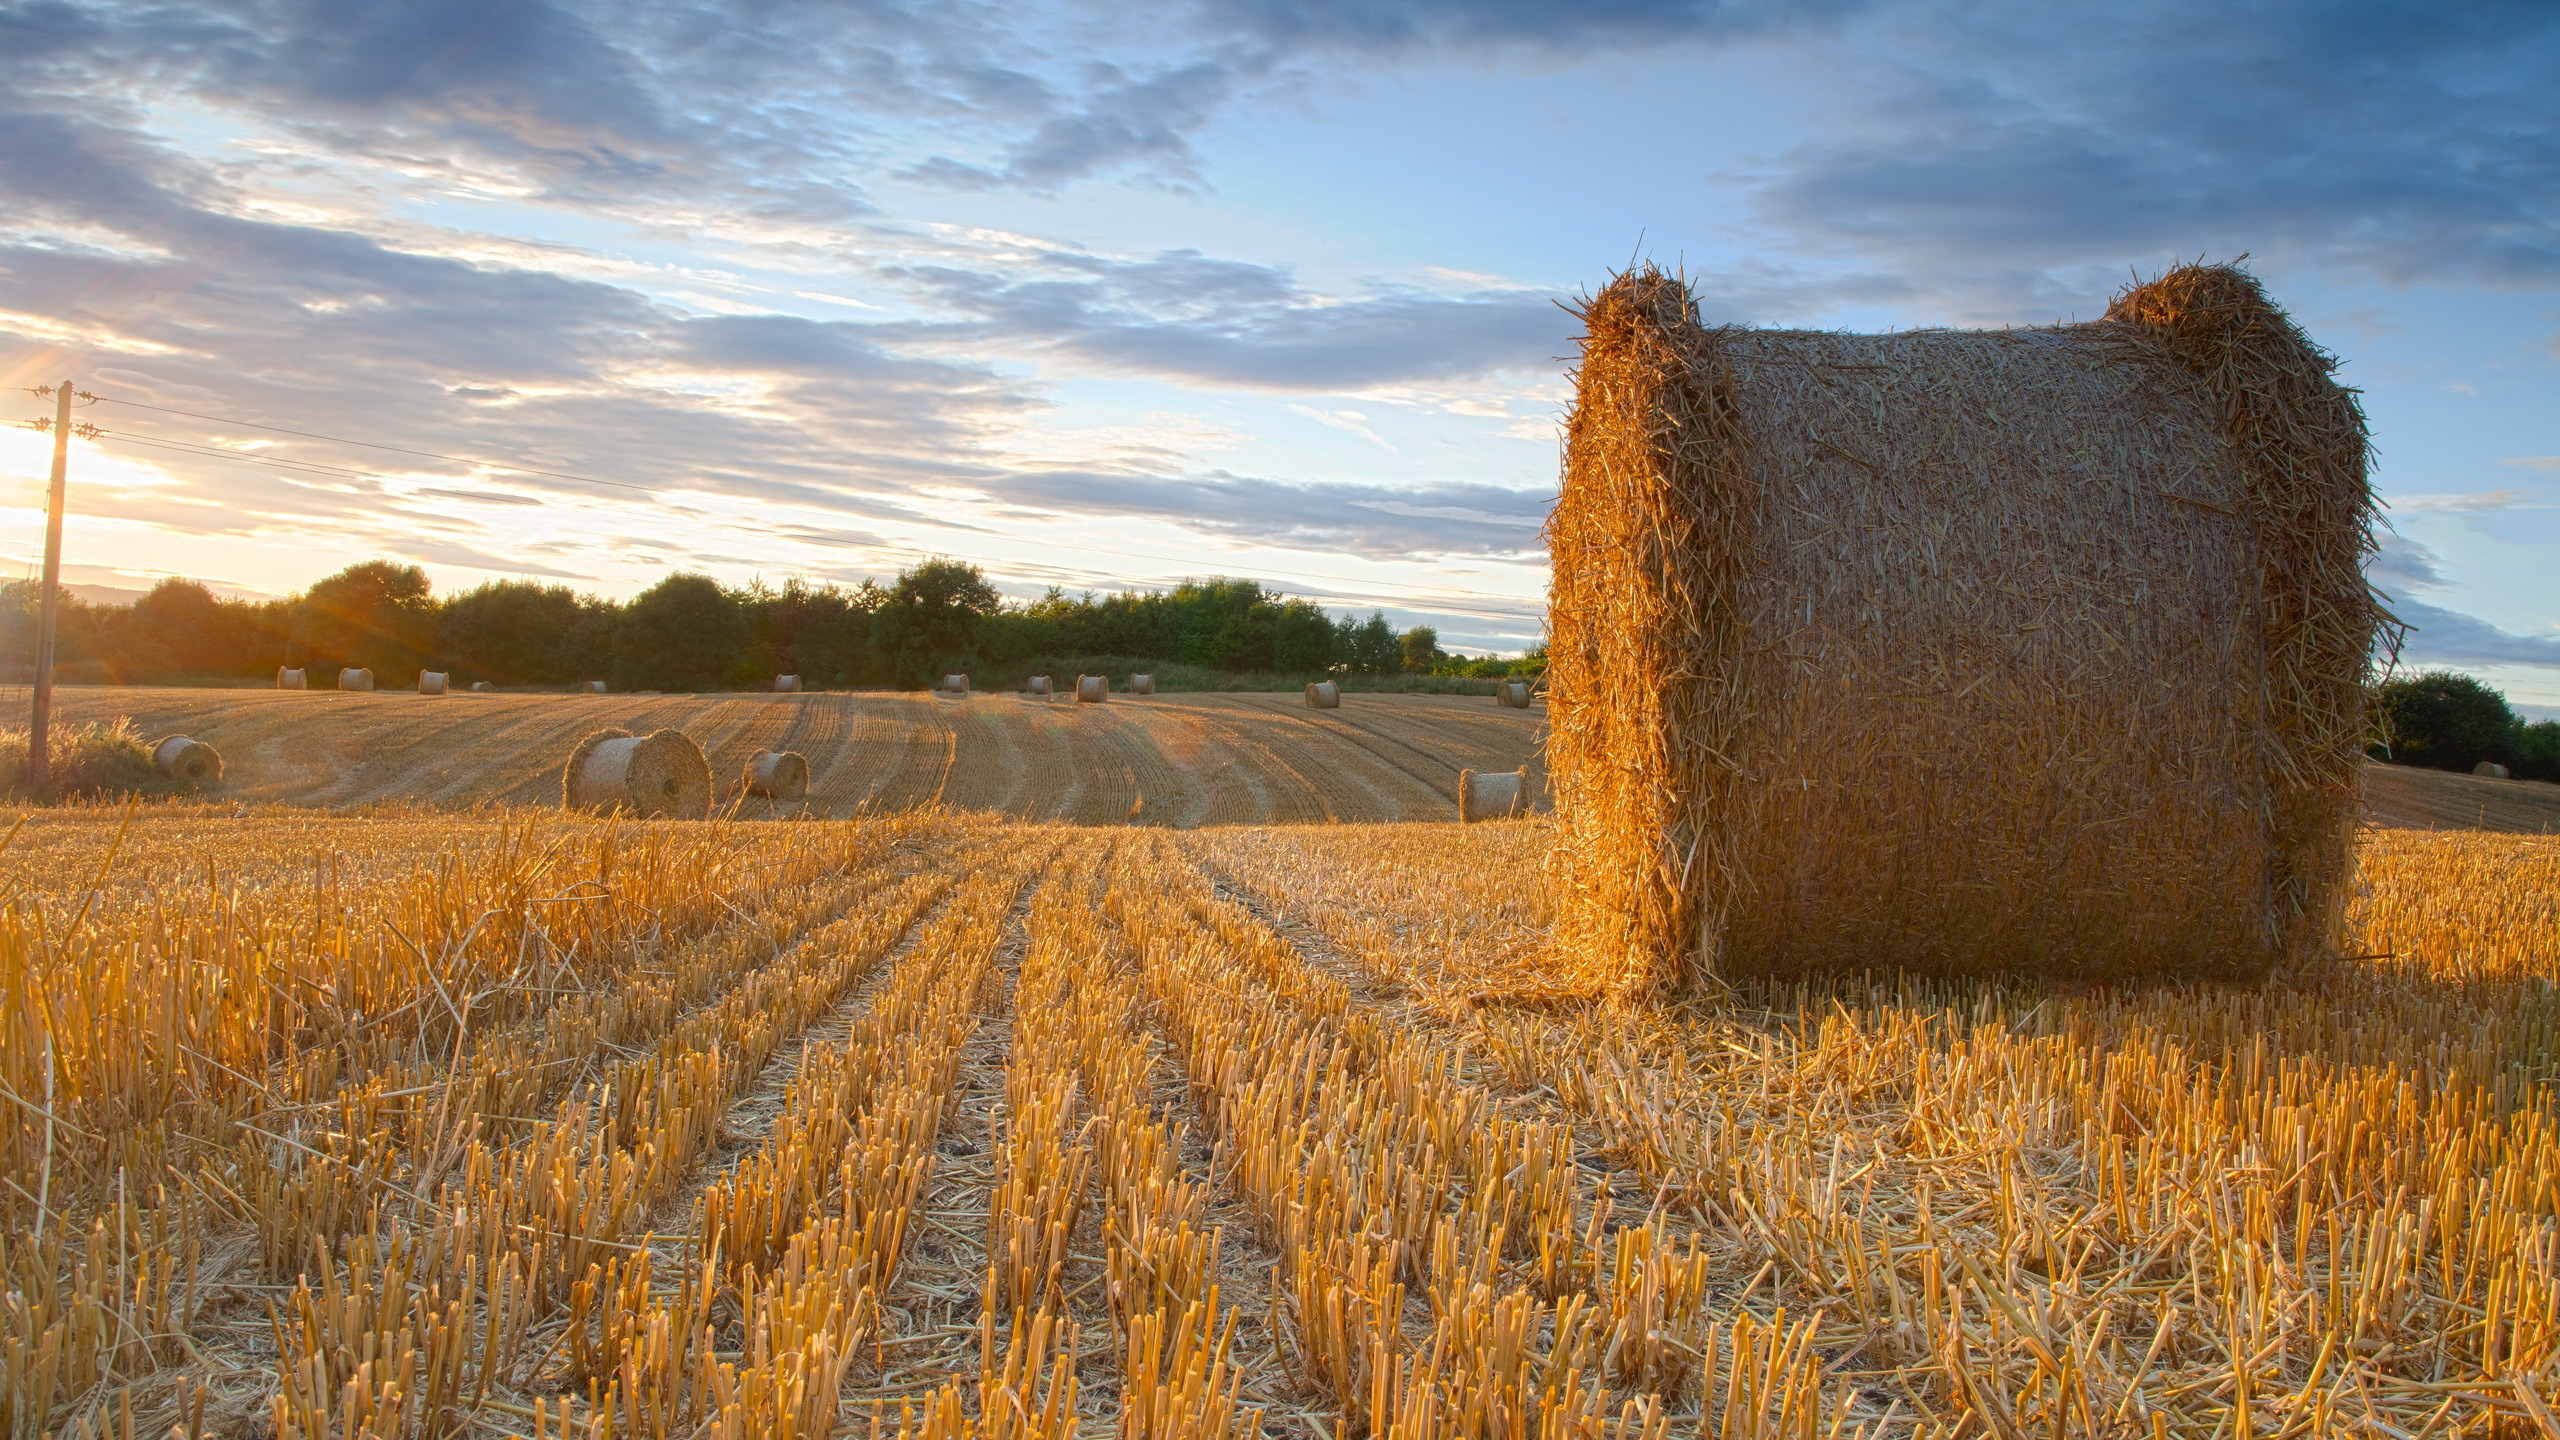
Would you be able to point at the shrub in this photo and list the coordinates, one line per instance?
(2446, 721)
(100, 758)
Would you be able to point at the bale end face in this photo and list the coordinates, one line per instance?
(1142, 684)
(1324, 695)
(191, 761)
(1090, 689)
(291, 679)
(778, 775)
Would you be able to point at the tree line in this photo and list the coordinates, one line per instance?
(2449, 721)
(689, 632)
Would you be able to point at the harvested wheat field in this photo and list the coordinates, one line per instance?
(536, 1124)
(1178, 760)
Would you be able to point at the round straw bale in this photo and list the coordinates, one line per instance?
(1039, 685)
(481, 687)
(1091, 689)
(1142, 684)
(1324, 695)
(432, 682)
(1513, 694)
(291, 679)
(1492, 794)
(955, 684)
(2491, 769)
(786, 684)
(778, 775)
(193, 761)
(2038, 650)
(661, 775)
(591, 687)
(354, 679)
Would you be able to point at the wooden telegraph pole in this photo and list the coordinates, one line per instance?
(39, 730)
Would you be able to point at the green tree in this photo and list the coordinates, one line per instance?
(1420, 647)
(1302, 640)
(1371, 647)
(376, 615)
(2538, 751)
(927, 624)
(517, 632)
(683, 633)
(2447, 721)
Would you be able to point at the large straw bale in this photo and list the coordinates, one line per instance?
(1513, 694)
(2036, 649)
(193, 761)
(1091, 689)
(433, 682)
(786, 684)
(1039, 685)
(1142, 684)
(651, 776)
(1324, 695)
(1492, 794)
(288, 679)
(778, 775)
(354, 679)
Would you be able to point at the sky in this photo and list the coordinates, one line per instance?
(1104, 296)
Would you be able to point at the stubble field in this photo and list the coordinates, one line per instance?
(435, 1126)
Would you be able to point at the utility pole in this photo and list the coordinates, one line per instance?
(39, 730)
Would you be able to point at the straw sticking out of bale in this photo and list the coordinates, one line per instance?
(193, 761)
(955, 684)
(1039, 685)
(1513, 694)
(432, 682)
(291, 679)
(591, 687)
(662, 775)
(2490, 768)
(778, 775)
(786, 684)
(1958, 651)
(1324, 695)
(354, 679)
(1090, 689)
(1492, 794)
(1142, 684)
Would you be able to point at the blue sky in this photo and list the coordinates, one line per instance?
(1101, 296)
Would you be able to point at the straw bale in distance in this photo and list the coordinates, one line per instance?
(591, 687)
(2037, 649)
(481, 687)
(955, 684)
(1142, 684)
(660, 775)
(2491, 769)
(354, 679)
(1039, 685)
(1324, 695)
(778, 775)
(193, 761)
(1492, 794)
(432, 682)
(1091, 689)
(289, 679)
(786, 684)
(1513, 694)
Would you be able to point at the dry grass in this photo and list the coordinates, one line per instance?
(439, 1128)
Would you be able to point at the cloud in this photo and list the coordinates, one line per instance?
(2405, 142)
(1195, 319)
(2438, 636)
(2533, 462)
(1404, 27)
(2457, 504)
(1372, 520)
